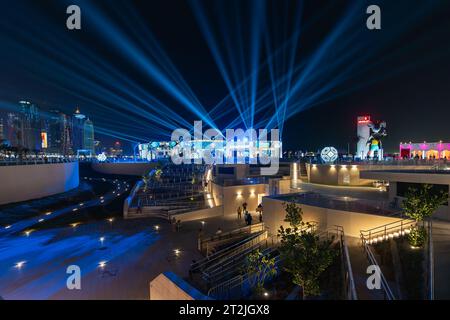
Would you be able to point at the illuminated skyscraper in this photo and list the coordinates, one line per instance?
(2, 130)
(55, 131)
(66, 135)
(31, 126)
(78, 121)
(14, 132)
(88, 141)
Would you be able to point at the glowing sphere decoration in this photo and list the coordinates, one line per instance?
(101, 157)
(329, 154)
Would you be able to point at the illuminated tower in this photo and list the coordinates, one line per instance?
(78, 122)
(31, 125)
(2, 130)
(14, 132)
(363, 134)
(88, 140)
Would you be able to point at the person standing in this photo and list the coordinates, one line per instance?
(239, 212)
(259, 210)
(249, 219)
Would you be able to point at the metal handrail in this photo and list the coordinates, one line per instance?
(403, 226)
(222, 253)
(230, 234)
(227, 285)
(253, 242)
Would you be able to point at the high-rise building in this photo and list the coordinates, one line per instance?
(14, 129)
(54, 127)
(66, 145)
(78, 121)
(88, 141)
(31, 126)
(2, 130)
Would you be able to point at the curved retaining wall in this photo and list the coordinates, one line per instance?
(26, 182)
(125, 168)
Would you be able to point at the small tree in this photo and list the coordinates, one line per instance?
(419, 205)
(294, 214)
(259, 268)
(422, 203)
(305, 256)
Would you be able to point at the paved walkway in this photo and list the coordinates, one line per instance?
(359, 264)
(134, 253)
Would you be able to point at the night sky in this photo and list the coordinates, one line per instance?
(339, 68)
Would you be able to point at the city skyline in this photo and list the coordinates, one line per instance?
(48, 131)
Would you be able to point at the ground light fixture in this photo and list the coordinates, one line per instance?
(20, 264)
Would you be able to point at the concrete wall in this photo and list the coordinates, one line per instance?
(26, 182)
(353, 222)
(336, 175)
(125, 168)
(231, 197)
(349, 174)
(168, 286)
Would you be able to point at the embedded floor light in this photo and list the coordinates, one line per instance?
(20, 264)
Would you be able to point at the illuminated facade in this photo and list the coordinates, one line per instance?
(196, 149)
(425, 150)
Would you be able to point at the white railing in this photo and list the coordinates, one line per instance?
(388, 231)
